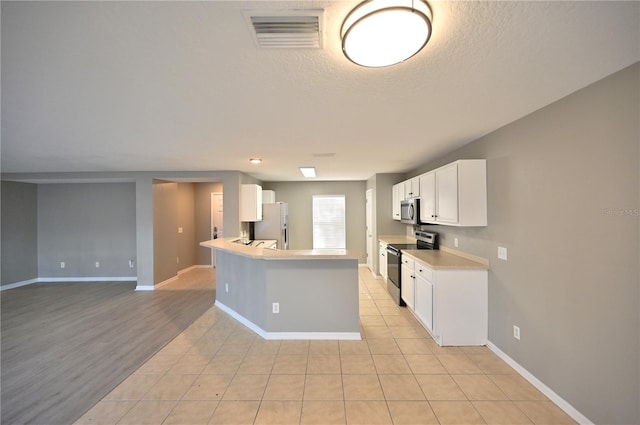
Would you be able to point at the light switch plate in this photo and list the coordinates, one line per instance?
(502, 253)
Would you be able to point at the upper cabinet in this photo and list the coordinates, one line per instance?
(268, 197)
(412, 188)
(455, 194)
(250, 202)
(396, 197)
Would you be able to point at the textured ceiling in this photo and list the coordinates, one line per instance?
(139, 86)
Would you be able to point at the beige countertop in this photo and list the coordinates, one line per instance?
(442, 259)
(396, 239)
(227, 244)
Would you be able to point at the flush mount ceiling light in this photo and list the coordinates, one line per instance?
(385, 32)
(308, 172)
(255, 160)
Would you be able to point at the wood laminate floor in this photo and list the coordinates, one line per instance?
(67, 345)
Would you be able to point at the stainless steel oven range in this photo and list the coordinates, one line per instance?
(424, 240)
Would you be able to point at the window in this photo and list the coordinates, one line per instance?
(329, 229)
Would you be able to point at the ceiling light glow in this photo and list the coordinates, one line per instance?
(308, 172)
(255, 160)
(385, 32)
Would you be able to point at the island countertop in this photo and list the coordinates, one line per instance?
(228, 245)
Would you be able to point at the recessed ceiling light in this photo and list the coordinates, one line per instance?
(255, 160)
(308, 172)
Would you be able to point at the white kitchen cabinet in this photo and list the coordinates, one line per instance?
(412, 188)
(382, 260)
(452, 304)
(250, 202)
(407, 282)
(396, 197)
(268, 197)
(424, 296)
(455, 194)
(428, 196)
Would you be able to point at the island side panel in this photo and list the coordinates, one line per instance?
(319, 295)
(246, 278)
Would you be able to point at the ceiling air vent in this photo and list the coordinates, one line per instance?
(287, 29)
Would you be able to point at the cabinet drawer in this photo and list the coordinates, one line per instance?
(424, 272)
(408, 262)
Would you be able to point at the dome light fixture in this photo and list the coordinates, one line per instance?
(255, 160)
(380, 33)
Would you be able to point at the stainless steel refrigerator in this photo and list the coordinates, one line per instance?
(274, 224)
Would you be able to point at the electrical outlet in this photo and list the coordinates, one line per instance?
(455, 242)
(502, 253)
(131, 264)
(516, 332)
(179, 229)
(62, 265)
(226, 287)
(276, 308)
(97, 264)
(177, 259)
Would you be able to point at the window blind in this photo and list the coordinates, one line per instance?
(329, 228)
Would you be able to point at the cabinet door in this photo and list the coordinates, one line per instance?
(407, 286)
(250, 202)
(424, 301)
(415, 187)
(407, 189)
(428, 197)
(447, 194)
(397, 196)
(382, 260)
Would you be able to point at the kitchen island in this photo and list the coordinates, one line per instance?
(288, 294)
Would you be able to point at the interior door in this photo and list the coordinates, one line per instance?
(217, 221)
(369, 229)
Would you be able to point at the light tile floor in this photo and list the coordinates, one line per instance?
(219, 372)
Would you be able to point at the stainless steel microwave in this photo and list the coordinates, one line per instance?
(410, 211)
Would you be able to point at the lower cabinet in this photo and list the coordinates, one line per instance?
(424, 297)
(408, 282)
(452, 304)
(382, 259)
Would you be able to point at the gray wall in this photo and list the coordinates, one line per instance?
(165, 230)
(84, 223)
(563, 187)
(186, 220)
(19, 232)
(299, 196)
(143, 205)
(203, 218)
(383, 222)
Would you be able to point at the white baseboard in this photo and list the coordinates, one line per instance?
(87, 279)
(197, 266)
(166, 282)
(145, 287)
(559, 401)
(174, 278)
(18, 284)
(68, 279)
(287, 335)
